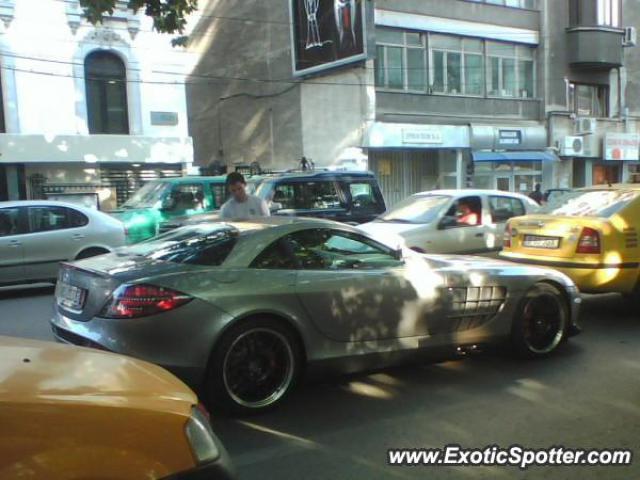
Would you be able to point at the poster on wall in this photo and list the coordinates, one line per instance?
(327, 33)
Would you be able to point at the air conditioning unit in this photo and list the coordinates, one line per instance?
(630, 37)
(572, 147)
(586, 126)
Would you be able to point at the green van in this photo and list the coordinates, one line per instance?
(161, 200)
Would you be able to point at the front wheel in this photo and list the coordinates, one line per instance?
(540, 324)
(253, 367)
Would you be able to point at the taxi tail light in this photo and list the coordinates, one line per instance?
(507, 237)
(133, 301)
(589, 241)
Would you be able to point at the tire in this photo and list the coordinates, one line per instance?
(236, 366)
(541, 322)
(91, 252)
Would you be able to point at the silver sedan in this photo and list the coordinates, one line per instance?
(240, 310)
(36, 235)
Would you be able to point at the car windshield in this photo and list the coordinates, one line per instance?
(416, 209)
(197, 244)
(590, 203)
(149, 196)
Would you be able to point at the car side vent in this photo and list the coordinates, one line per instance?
(473, 306)
(630, 237)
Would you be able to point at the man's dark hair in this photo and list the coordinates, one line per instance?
(235, 177)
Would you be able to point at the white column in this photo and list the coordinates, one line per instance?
(461, 171)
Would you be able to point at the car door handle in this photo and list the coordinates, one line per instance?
(479, 235)
(15, 243)
(78, 236)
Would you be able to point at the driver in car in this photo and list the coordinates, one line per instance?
(466, 215)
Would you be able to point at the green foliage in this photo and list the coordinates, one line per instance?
(169, 16)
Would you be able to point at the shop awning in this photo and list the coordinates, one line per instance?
(526, 156)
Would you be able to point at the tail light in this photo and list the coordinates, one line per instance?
(589, 241)
(134, 301)
(507, 237)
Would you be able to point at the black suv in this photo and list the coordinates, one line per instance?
(351, 197)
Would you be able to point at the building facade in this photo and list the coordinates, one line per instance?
(452, 93)
(88, 112)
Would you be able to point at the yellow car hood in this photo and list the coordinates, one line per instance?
(45, 372)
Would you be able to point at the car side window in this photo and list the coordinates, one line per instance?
(325, 249)
(277, 256)
(76, 219)
(465, 212)
(46, 218)
(363, 198)
(9, 221)
(503, 208)
(219, 194)
(187, 197)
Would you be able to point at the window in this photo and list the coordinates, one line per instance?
(504, 208)
(45, 219)
(457, 65)
(511, 70)
(203, 244)
(186, 197)
(9, 221)
(323, 249)
(306, 196)
(219, 193)
(465, 212)
(609, 13)
(400, 60)
(106, 86)
(363, 198)
(606, 13)
(589, 100)
(277, 256)
(530, 4)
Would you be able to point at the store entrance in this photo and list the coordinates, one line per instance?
(606, 174)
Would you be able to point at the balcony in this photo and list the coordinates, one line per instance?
(595, 47)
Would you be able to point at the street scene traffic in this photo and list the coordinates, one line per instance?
(389, 241)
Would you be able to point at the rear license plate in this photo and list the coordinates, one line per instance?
(534, 241)
(70, 296)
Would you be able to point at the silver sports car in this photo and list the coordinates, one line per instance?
(240, 310)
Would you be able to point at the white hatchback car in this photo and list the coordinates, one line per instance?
(451, 221)
(36, 235)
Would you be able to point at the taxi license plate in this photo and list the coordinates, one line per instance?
(534, 241)
(70, 296)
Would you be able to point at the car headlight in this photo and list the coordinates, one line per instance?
(201, 437)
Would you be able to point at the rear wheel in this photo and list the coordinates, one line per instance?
(541, 323)
(253, 367)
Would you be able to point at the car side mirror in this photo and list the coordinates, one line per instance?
(447, 222)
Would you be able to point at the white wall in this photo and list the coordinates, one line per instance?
(42, 69)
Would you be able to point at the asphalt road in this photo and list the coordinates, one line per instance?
(586, 396)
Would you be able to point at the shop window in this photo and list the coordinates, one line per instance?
(530, 4)
(589, 100)
(106, 89)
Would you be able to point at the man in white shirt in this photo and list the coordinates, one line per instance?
(241, 205)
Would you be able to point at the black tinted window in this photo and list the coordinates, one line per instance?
(278, 255)
(197, 245)
(312, 195)
(77, 219)
(9, 224)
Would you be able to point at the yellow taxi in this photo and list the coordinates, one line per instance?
(590, 234)
(75, 413)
